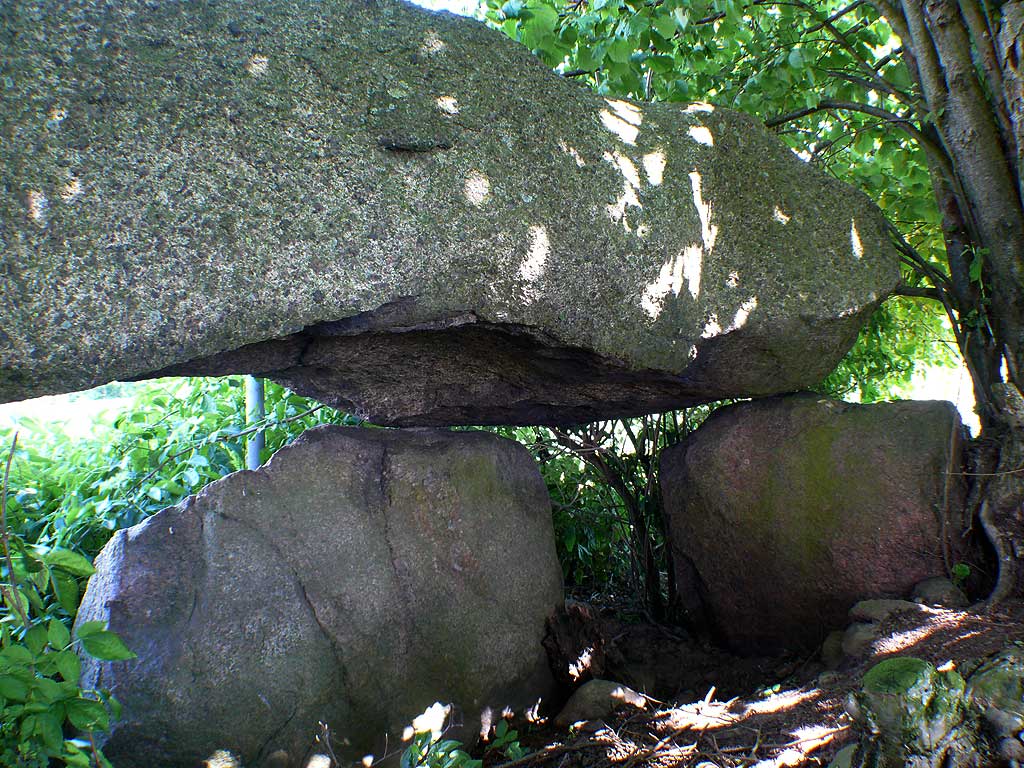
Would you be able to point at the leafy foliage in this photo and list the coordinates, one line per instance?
(609, 522)
(178, 436)
(67, 496)
(39, 667)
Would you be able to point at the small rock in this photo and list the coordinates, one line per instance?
(844, 757)
(909, 705)
(880, 610)
(858, 639)
(940, 591)
(832, 649)
(598, 698)
(996, 688)
(1011, 750)
(1003, 723)
(278, 759)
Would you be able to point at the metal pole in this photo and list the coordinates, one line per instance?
(254, 412)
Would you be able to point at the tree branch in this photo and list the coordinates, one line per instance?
(904, 123)
(917, 292)
(981, 37)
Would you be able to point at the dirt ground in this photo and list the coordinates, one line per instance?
(709, 709)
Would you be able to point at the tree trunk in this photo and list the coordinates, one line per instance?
(967, 65)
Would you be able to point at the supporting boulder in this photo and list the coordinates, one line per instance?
(402, 214)
(784, 512)
(355, 579)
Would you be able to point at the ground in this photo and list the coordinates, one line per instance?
(712, 710)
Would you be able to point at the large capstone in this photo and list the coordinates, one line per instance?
(403, 214)
(784, 512)
(357, 578)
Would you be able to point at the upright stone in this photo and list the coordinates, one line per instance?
(355, 579)
(403, 214)
(784, 512)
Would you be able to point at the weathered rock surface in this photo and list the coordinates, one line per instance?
(401, 213)
(911, 714)
(785, 512)
(596, 699)
(940, 591)
(357, 578)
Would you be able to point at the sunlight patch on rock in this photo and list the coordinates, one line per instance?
(537, 254)
(257, 65)
(855, 243)
(38, 206)
(630, 187)
(654, 166)
(701, 135)
(448, 105)
(71, 190)
(624, 120)
(686, 265)
(571, 152)
(708, 231)
(432, 44)
(477, 188)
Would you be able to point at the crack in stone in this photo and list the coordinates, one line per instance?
(328, 635)
(385, 502)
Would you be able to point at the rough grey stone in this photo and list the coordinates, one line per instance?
(858, 639)
(357, 578)
(784, 512)
(832, 650)
(913, 715)
(404, 214)
(880, 610)
(597, 699)
(996, 689)
(940, 591)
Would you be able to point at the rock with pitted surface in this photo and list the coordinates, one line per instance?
(403, 214)
(785, 512)
(357, 578)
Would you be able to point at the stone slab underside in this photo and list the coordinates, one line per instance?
(183, 182)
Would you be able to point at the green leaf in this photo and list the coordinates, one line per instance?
(88, 715)
(796, 59)
(87, 628)
(65, 586)
(48, 728)
(16, 601)
(13, 689)
(512, 8)
(35, 639)
(977, 264)
(106, 646)
(664, 25)
(69, 665)
(545, 17)
(72, 562)
(620, 51)
(17, 656)
(58, 635)
(49, 690)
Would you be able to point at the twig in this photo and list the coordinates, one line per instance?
(95, 752)
(210, 441)
(11, 592)
(551, 752)
(650, 752)
(988, 474)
